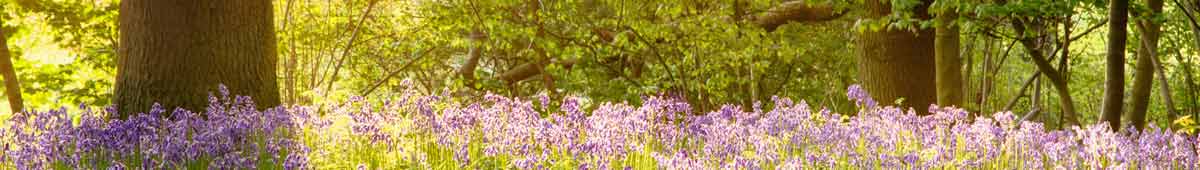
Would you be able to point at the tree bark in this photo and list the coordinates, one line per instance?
(1144, 75)
(176, 52)
(12, 85)
(898, 64)
(1114, 77)
(949, 65)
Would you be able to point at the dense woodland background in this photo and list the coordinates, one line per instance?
(1028, 56)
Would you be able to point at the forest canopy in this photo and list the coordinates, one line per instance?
(708, 52)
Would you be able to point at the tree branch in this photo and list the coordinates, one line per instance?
(529, 69)
(796, 11)
(467, 71)
(395, 72)
(1089, 30)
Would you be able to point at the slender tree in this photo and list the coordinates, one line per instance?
(12, 86)
(177, 52)
(1142, 78)
(1057, 78)
(1189, 9)
(1114, 79)
(949, 65)
(1164, 88)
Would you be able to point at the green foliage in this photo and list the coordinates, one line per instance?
(64, 51)
(1186, 124)
(604, 50)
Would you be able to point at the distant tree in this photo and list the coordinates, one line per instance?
(1114, 81)
(1189, 9)
(12, 87)
(1033, 29)
(176, 52)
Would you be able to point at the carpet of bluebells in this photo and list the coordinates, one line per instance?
(415, 131)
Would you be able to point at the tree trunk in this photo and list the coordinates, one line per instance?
(984, 82)
(893, 63)
(12, 86)
(176, 52)
(1142, 78)
(1035, 97)
(949, 65)
(1056, 78)
(1165, 89)
(966, 58)
(1191, 86)
(1060, 86)
(1114, 77)
(467, 71)
(289, 65)
(1064, 68)
(898, 64)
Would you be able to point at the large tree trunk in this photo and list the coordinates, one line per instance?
(1142, 79)
(949, 65)
(897, 63)
(175, 52)
(1114, 77)
(893, 63)
(12, 86)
